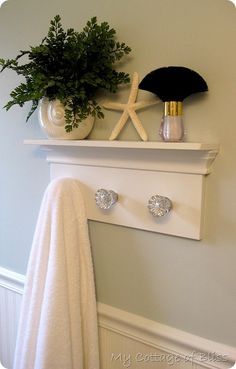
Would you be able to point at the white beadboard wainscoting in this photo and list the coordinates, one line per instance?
(126, 340)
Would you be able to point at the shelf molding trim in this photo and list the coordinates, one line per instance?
(136, 171)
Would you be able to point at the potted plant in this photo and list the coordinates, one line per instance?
(69, 67)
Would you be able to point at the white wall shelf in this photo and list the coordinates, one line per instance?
(137, 171)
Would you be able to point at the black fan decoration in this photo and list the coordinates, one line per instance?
(173, 83)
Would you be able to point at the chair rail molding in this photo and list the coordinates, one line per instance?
(121, 332)
(136, 171)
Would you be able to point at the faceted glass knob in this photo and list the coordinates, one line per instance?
(105, 198)
(159, 206)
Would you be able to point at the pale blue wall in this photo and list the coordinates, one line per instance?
(186, 284)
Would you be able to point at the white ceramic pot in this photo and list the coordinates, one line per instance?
(51, 116)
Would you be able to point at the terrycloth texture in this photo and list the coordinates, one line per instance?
(58, 323)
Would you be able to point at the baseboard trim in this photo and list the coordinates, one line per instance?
(197, 350)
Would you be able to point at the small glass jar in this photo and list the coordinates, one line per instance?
(172, 127)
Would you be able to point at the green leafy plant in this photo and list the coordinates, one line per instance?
(70, 66)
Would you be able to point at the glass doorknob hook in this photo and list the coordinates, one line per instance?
(159, 206)
(105, 198)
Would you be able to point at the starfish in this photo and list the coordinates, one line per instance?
(129, 110)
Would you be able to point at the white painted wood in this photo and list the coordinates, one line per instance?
(192, 349)
(10, 302)
(134, 189)
(193, 158)
(11, 290)
(119, 351)
(126, 144)
(124, 337)
(11, 280)
(137, 171)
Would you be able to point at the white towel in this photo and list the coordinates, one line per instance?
(58, 322)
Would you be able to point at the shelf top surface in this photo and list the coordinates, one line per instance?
(155, 145)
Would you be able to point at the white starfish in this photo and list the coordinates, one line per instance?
(129, 110)
(234, 2)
